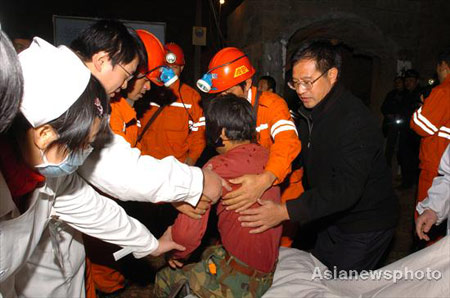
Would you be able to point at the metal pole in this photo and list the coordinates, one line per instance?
(198, 49)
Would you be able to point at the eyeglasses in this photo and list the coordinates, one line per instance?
(307, 85)
(130, 76)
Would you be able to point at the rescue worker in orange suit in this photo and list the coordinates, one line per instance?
(123, 120)
(179, 129)
(103, 273)
(432, 123)
(230, 71)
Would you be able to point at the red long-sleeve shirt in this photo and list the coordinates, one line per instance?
(259, 251)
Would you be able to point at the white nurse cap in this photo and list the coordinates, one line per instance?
(54, 78)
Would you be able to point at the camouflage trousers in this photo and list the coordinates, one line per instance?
(204, 282)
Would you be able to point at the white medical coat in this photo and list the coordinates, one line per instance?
(31, 264)
(41, 250)
(125, 174)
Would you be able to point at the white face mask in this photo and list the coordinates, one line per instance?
(69, 165)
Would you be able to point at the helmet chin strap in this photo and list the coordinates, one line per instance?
(153, 69)
(228, 63)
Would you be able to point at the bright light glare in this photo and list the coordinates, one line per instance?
(222, 2)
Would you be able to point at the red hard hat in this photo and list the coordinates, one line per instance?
(174, 54)
(155, 56)
(229, 67)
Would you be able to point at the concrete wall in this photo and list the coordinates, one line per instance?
(269, 31)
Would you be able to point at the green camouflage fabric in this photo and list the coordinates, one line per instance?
(227, 282)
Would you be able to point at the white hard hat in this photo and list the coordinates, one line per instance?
(54, 78)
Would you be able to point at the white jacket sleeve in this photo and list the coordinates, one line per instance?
(438, 198)
(81, 207)
(122, 172)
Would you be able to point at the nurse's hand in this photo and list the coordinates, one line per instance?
(252, 188)
(212, 185)
(267, 216)
(166, 244)
(424, 223)
(194, 213)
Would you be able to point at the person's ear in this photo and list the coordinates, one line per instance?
(181, 68)
(445, 66)
(100, 60)
(223, 135)
(248, 85)
(333, 74)
(43, 136)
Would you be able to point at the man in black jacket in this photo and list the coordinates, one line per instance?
(392, 121)
(348, 187)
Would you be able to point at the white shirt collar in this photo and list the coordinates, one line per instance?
(130, 102)
(249, 95)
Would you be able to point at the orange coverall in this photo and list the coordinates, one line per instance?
(277, 132)
(180, 128)
(432, 123)
(123, 121)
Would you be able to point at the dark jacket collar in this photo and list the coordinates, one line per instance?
(326, 104)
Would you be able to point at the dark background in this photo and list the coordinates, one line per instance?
(35, 18)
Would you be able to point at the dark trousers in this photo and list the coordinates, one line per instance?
(391, 141)
(408, 156)
(361, 251)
